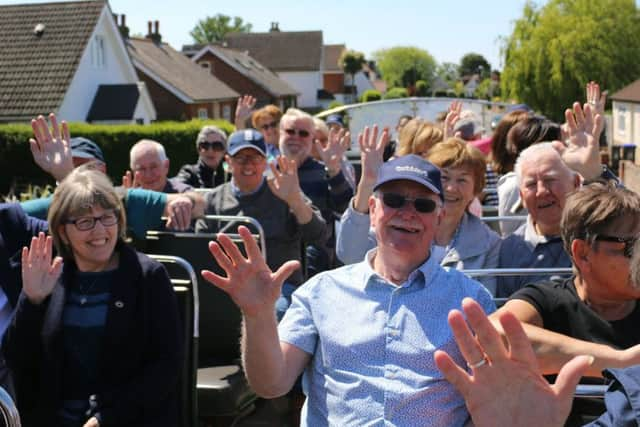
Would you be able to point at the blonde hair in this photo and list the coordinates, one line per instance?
(76, 194)
(457, 153)
(418, 136)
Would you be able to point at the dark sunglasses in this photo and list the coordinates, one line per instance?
(215, 146)
(301, 132)
(629, 242)
(396, 201)
(268, 126)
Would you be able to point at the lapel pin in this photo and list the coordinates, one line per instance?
(119, 304)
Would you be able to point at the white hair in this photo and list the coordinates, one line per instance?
(294, 113)
(146, 143)
(533, 153)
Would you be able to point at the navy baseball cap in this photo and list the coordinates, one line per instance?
(247, 138)
(334, 119)
(413, 168)
(86, 149)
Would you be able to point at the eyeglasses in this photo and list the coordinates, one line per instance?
(243, 160)
(268, 126)
(629, 242)
(421, 204)
(301, 132)
(89, 222)
(215, 146)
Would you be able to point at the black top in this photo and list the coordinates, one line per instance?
(562, 311)
(200, 175)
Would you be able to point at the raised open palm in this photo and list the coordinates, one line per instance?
(39, 272)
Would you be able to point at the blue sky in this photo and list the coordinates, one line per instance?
(447, 29)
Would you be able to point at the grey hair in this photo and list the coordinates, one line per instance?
(210, 130)
(532, 152)
(294, 113)
(162, 155)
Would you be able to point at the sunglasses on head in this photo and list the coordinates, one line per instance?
(301, 132)
(268, 126)
(421, 204)
(629, 242)
(215, 146)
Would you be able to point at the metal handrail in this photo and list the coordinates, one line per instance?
(590, 391)
(170, 259)
(504, 218)
(247, 220)
(8, 410)
(516, 271)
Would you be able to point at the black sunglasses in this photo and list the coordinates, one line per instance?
(396, 201)
(268, 126)
(215, 146)
(629, 242)
(301, 132)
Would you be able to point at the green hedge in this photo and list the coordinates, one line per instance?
(18, 169)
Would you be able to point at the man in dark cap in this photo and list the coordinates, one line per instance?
(364, 334)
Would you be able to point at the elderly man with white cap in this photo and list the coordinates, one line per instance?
(364, 334)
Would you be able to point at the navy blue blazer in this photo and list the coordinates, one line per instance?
(141, 354)
(16, 230)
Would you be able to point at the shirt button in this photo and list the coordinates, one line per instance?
(540, 257)
(394, 332)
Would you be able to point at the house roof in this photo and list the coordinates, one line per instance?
(630, 92)
(332, 54)
(35, 71)
(281, 50)
(250, 68)
(114, 102)
(177, 73)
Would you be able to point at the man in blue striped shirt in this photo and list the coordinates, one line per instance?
(365, 334)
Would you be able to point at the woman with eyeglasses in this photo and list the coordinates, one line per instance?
(95, 340)
(266, 120)
(208, 172)
(462, 240)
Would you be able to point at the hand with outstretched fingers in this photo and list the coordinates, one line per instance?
(39, 272)
(284, 182)
(372, 151)
(249, 281)
(581, 150)
(51, 148)
(131, 180)
(596, 98)
(331, 154)
(453, 115)
(244, 108)
(92, 422)
(501, 384)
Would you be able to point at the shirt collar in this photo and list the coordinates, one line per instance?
(419, 278)
(531, 236)
(236, 191)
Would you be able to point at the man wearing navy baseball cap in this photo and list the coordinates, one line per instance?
(364, 335)
(285, 213)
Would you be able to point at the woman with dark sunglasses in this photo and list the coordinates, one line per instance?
(95, 339)
(208, 172)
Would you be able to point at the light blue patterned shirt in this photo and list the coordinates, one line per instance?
(372, 345)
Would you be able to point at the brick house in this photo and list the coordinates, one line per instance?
(180, 89)
(246, 75)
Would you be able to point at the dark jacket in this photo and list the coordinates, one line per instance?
(140, 359)
(16, 231)
(201, 175)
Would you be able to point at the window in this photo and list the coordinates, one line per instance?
(203, 114)
(622, 115)
(97, 52)
(206, 65)
(226, 112)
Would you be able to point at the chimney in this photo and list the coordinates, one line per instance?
(274, 27)
(153, 33)
(122, 26)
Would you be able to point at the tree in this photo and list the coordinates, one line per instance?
(370, 95)
(351, 63)
(396, 92)
(404, 66)
(448, 72)
(214, 29)
(474, 63)
(556, 49)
